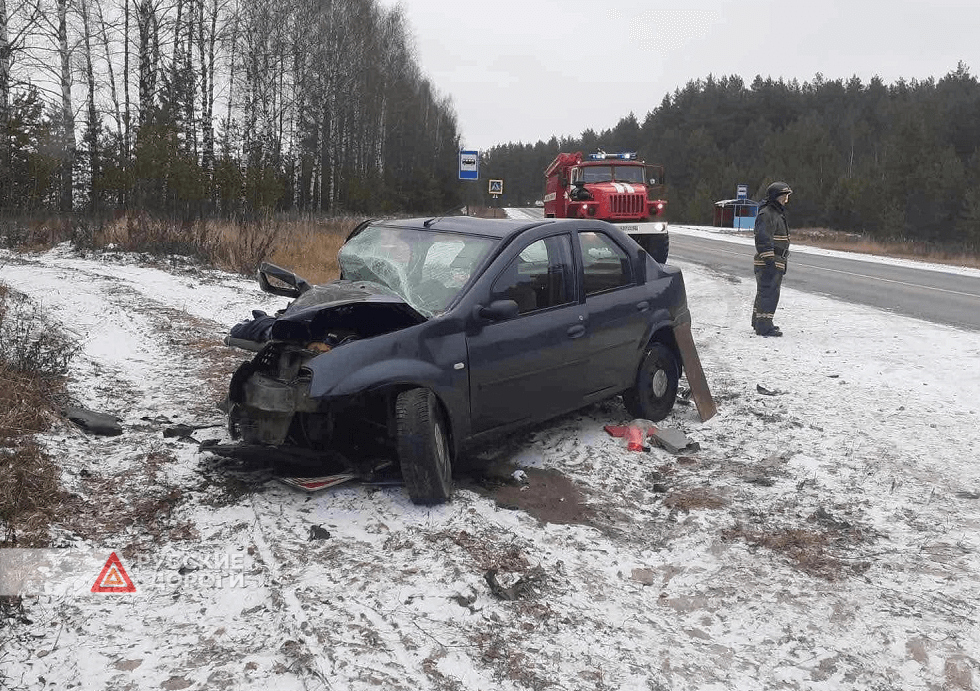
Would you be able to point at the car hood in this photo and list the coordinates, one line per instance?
(361, 308)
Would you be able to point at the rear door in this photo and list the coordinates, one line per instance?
(618, 312)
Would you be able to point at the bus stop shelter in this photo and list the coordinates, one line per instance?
(736, 213)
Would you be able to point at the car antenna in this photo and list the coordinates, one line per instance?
(428, 223)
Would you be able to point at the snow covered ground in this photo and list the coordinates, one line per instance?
(825, 535)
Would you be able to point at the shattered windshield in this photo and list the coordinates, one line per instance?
(426, 268)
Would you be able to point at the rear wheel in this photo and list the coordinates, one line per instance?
(655, 391)
(423, 447)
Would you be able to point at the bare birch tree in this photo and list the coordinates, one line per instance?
(93, 124)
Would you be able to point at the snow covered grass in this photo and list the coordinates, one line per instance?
(825, 535)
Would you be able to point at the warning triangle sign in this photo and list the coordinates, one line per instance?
(113, 578)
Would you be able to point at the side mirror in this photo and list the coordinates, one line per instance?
(498, 310)
(279, 281)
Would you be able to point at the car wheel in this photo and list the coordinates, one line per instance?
(423, 447)
(652, 396)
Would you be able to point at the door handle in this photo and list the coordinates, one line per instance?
(642, 306)
(576, 331)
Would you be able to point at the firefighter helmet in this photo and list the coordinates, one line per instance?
(778, 189)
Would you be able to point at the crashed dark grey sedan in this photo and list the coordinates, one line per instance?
(442, 332)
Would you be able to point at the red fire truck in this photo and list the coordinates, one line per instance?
(611, 187)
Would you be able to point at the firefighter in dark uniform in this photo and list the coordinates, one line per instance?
(771, 252)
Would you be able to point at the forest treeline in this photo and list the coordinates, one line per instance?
(891, 161)
(218, 107)
(207, 108)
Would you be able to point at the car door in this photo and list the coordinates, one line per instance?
(530, 367)
(618, 311)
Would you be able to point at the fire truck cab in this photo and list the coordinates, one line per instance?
(616, 188)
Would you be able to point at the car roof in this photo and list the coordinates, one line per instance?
(500, 228)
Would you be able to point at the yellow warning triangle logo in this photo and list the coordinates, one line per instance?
(113, 578)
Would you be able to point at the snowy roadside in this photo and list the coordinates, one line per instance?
(823, 537)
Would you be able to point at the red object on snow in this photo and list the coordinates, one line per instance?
(636, 440)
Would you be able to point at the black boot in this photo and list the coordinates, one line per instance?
(765, 327)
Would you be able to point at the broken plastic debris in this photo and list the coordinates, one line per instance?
(315, 484)
(93, 422)
(673, 440)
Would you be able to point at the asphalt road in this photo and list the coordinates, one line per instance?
(938, 296)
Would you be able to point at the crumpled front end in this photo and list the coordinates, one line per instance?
(266, 393)
(269, 396)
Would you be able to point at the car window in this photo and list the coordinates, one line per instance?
(539, 277)
(606, 265)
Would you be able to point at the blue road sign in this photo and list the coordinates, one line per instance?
(469, 165)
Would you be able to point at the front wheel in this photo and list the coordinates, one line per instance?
(653, 395)
(423, 447)
(657, 245)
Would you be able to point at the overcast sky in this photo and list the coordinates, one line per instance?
(522, 70)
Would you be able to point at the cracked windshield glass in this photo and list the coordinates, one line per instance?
(426, 268)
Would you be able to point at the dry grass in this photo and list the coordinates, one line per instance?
(807, 550)
(32, 359)
(29, 494)
(307, 247)
(691, 499)
(905, 249)
(310, 248)
(29, 480)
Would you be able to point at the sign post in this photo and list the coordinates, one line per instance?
(742, 192)
(496, 188)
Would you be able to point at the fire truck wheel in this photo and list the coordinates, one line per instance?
(659, 249)
(655, 391)
(423, 447)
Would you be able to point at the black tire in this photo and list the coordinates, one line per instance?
(423, 447)
(655, 391)
(656, 245)
(662, 249)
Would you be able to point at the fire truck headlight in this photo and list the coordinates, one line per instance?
(659, 227)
